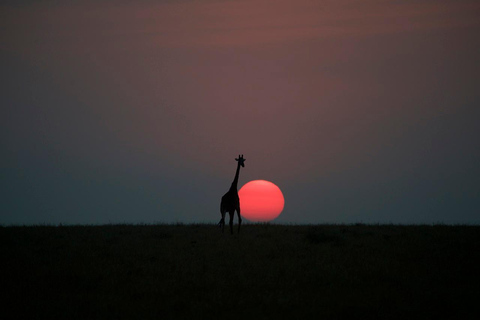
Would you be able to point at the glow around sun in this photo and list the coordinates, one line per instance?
(261, 201)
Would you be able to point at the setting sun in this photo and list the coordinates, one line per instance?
(261, 200)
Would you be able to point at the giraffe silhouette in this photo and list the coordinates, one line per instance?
(231, 201)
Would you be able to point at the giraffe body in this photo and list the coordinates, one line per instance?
(230, 200)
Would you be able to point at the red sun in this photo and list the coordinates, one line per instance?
(261, 200)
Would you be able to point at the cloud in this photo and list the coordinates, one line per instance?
(223, 23)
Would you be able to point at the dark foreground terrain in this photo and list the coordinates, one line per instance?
(266, 272)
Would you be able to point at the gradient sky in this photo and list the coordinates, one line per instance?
(133, 111)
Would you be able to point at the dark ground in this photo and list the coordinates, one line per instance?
(266, 272)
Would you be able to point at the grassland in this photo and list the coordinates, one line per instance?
(265, 272)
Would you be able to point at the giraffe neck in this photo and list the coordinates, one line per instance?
(235, 180)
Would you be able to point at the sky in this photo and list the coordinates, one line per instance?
(134, 111)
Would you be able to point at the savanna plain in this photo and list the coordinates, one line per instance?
(267, 271)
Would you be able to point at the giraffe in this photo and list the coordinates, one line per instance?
(231, 201)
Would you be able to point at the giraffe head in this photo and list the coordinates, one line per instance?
(240, 160)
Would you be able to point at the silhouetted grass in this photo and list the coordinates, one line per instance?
(266, 272)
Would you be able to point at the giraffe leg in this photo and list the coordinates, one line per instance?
(221, 224)
(239, 218)
(232, 214)
(222, 220)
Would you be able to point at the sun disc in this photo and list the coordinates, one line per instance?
(260, 201)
